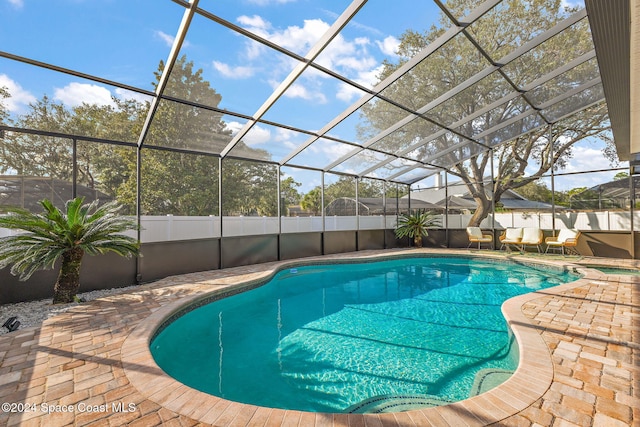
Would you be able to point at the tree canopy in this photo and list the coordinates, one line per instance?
(173, 182)
(4, 114)
(521, 160)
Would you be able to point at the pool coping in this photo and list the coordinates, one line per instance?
(529, 383)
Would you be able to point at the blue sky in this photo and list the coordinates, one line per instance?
(125, 40)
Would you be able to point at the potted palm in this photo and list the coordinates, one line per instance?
(82, 228)
(415, 225)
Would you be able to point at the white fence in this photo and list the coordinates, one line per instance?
(162, 228)
(585, 221)
(169, 227)
(166, 228)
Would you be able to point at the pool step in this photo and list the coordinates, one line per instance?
(486, 379)
(396, 403)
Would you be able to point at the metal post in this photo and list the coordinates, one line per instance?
(279, 189)
(632, 203)
(357, 205)
(357, 215)
(600, 197)
(322, 202)
(138, 210)
(553, 183)
(74, 170)
(220, 211)
(279, 210)
(384, 214)
(22, 184)
(397, 202)
(493, 198)
(446, 207)
(322, 211)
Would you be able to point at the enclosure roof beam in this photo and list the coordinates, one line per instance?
(166, 73)
(496, 66)
(324, 41)
(411, 63)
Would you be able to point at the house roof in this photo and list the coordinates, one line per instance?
(610, 194)
(458, 196)
(375, 206)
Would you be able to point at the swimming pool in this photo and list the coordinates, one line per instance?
(354, 337)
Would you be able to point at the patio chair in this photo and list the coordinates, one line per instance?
(531, 236)
(477, 236)
(511, 236)
(566, 238)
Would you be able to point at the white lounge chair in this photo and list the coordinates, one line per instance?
(511, 236)
(566, 238)
(531, 236)
(477, 236)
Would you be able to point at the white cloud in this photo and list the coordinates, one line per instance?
(273, 83)
(295, 38)
(284, 134)
(586, 156)
(258, 26)
(332, 150)
(584, 159)
(253, 50)
(365, 63)
(338, 49)
(284, 137)
(301, 39)
(128, 94)
(297, 90)
(234, 127)
(588, 180)
(389, 46)
(254, 23)
(256, 136)
(20, 97)
(17, 3)
(366, 28)
(168, 39)
(238, 72)
(362, 41)
(350, 57)
(75, 94)
(348, 93)
(369, 77)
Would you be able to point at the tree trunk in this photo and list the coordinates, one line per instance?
(482, 211)
(69, 278)
(417, 241)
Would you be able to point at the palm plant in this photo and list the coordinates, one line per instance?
(83, 228)
(415, 225)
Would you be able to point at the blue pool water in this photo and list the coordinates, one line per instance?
(352, 337)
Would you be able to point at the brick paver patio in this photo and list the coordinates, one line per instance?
(90, 365)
